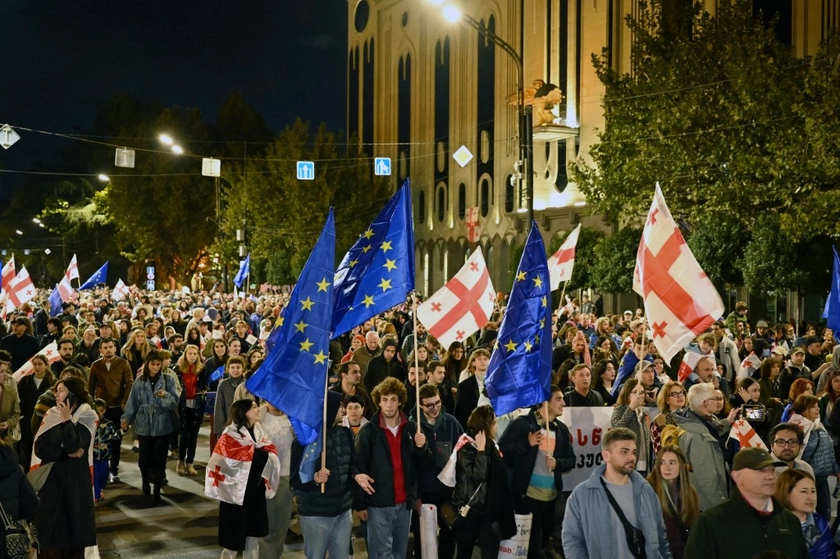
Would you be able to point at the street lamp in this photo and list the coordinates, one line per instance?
(452, 13)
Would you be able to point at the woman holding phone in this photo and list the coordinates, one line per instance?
(66, 523)
(150, 404)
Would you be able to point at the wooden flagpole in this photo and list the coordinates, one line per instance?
(324, 428)
(416, 358)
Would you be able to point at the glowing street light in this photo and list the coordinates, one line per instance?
(177, 150)
(103, 177)
(36, 220)
(18, 231)
(166, 139)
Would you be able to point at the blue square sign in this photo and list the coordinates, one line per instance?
(305, 171)
(382, 166)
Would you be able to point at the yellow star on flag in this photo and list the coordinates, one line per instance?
(353, 263)
(323, 285)
(390, 264)
(510, 346)
(537, 281)
(307, 304)
(385, 284)
(527, 345)
(543, 301)
(305, 345)
(279, 322)
(386, 246)
(300, 326)
(520, 276)
(365, 248)
(368, 234)
(368, 301)
(321, 357)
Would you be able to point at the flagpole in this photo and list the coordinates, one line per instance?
(324, 428)
(416, 358)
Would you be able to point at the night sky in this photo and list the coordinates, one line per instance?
(62, 60)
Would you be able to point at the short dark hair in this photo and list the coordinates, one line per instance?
(617, 434)
(803, 402)
(64, 341)
(428, 391)
(787, 426)
(107, 341)
(432, 365)
(344, 368)
(5, 356)
(353, 399)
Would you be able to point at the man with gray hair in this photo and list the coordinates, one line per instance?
(703, 441)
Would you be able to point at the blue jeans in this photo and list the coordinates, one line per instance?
(322, 534)
(388, 532)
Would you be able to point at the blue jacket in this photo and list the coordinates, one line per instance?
(823, 548)
(151, 414)
(585, 529)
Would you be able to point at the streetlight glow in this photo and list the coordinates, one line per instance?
(40, 224)
(166, 139)
(451, 13)
(18, 231)
(36, 220)
(177, 150)
(103, 177)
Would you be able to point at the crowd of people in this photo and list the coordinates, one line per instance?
(409, 423)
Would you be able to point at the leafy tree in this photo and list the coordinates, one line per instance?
(770, 259)
(614, 260)
(718, 242)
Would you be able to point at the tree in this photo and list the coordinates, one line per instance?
(770, 259)
(708, 112)
(717, 243)
(614, 261)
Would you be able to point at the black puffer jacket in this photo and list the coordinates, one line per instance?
(373, 457)
(481, 481)
(16, 493)
(337, 496)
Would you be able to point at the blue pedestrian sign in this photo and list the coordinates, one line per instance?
(382, 166)
(305, 171)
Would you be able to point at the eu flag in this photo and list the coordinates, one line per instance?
(99, 276)
(55, 303)
(293, 376)
(244, 271)
(832, 304)
(519, 374)
(378, 271)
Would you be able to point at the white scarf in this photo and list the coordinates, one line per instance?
(83, 414)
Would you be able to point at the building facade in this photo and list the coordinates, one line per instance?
(421, 88)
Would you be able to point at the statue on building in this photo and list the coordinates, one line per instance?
(544, 98)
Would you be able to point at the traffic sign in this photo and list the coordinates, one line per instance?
(462, 156)
(382, 166)
(150, 285)
(8, 136)
(305, 171)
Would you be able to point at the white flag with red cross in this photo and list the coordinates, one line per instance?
(230, 464)
(21, 290)
(120, 291)
(562, 263)
(8, 274)
(462, 306)
(746, 436)
(680, 300)
(473, 226)
(73, 268)
(50, 351)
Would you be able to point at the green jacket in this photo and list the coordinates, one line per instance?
(718, 535)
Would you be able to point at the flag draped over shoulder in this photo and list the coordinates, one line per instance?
(99, 276)
(244, 272)
(378, 271)
(293, 376)
(462, 306)
(562, 263)
(680, 300)
(519, 374)
(831, 314)
(230, 464)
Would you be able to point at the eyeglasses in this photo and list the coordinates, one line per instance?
(432, 405)
(676, 394)
(790, 443)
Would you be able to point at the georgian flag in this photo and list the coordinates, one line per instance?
(73, 269)
(120, 291)
(562, 263)
(50, 351)
(473, 225)
(230, 464)
(680, 300)
(689, 363)
(745, 435)
(8, 274)
(462, 306)
(21, 290)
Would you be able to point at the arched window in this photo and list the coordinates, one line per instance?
(484, 197)
(462, 200)
(421, 207)
(441, 203)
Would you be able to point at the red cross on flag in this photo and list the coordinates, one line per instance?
(20, 290)
(473, 226)
(230, 464)
(562, 263)
(120, 291)
(680, 300)
(8, 273)
(73, 268)
(462, 306)
(746, 436)
(50, 351)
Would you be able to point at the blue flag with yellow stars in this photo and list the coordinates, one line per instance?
(377, 273)
(519, 374)
(99, 276)
(294, 375)
(832, 303)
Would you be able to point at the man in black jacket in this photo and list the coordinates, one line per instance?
(537, 457)
(389, 450)
(20, 343)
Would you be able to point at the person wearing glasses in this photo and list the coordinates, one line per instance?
(785, 443)
(671, 398)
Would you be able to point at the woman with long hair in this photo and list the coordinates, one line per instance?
(66, 524)
(135, 349)
(149, 408)
(796, 491)
(177, 321)
(817, 448)
(193, 378)
(454, 362)
(217, 359)
(671, 398)
(797, 388)
(630, 412)
(482, 484)
(603, 375)
(29, 390)
(243, 517)
(680, 506)
(193, 337)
